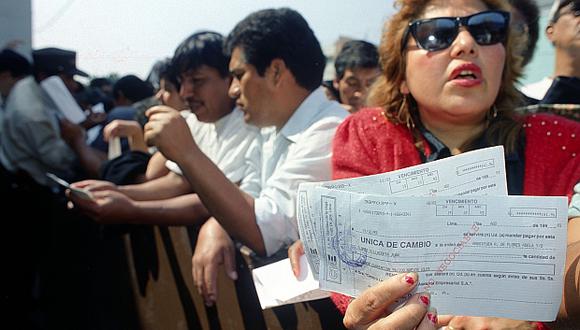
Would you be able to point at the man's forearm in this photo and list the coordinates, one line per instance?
(231, 207)
(90, 158)
(168, 186)
(182, 210)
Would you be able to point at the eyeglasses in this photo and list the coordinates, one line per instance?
(432, 34)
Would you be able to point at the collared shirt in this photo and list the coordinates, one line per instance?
(224, 142)
(514, 161)
(280, 160)
(30, 134)
(538, 89)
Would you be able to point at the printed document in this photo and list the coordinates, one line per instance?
(500, 256)
(480, 172)
(478, 251)
(276, 284)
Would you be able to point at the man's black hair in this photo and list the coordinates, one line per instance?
(166, 71)
(16, 64)
(529, 10)
(557, 12)
(100, 82)
(280, 34)
(132, 88)
(356, 54)
(201, 48)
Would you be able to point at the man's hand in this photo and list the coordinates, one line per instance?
(295, 251)
(95, 185)
(126, 128)
(71, 133)
(214, 247)
(93, 119)
(107, 206)
(168, 131)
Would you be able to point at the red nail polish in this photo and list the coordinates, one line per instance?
(425, 300)
(432, 318)
(409, 279)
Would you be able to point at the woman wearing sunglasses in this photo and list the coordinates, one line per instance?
(447, 86)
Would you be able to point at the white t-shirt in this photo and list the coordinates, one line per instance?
(224, 142)
(280, 160)
(538, 89)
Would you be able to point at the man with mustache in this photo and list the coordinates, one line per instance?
(277, 65)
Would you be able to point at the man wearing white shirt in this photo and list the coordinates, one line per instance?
(225, 142)
(13, 68)
(215, 125)
(277, 67)
(562, 31)
(35, 139)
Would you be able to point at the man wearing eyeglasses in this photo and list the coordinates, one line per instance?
(564, 32)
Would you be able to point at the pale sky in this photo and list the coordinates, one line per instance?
(128, 36)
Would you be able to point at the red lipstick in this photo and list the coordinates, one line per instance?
(466, 75)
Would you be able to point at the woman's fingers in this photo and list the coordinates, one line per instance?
(444, 320)
(410, 316)
(375, 301)
(429, 322)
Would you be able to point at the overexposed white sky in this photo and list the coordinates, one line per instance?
(128, 36)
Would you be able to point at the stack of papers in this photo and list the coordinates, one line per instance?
(478, 251)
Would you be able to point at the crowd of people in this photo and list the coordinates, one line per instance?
(220, 136)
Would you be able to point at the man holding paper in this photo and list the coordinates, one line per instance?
(36, 139)
(277, 65)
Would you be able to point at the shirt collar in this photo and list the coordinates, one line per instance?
(221, 123)
(440, 151)
(303, 116)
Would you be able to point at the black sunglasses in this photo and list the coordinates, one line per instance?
(432, 34)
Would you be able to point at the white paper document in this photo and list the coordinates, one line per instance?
(114, 148)
(480, 172)
(276, 284)
(83, 193)
(500, 256)
(62, 98)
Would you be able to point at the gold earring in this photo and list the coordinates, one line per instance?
(491, 114)
(407, 118)
(402, 107)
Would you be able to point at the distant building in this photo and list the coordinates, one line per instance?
(16, 25)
